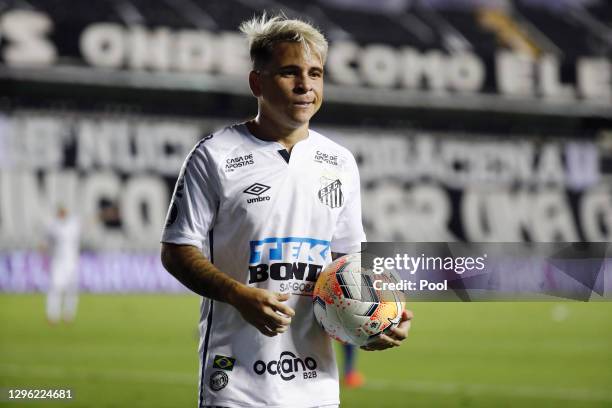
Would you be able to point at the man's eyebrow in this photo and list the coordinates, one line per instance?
(296, 67)
(288, 67)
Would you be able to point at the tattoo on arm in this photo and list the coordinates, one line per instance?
(187, 264)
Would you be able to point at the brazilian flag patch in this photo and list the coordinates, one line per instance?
(224, 363)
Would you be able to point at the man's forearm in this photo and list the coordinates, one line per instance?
(187, 264)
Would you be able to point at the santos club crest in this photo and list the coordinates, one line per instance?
(331, 193)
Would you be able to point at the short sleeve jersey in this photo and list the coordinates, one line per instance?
(269, 220)
(63, 238)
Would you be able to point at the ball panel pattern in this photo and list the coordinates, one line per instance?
(348, 307)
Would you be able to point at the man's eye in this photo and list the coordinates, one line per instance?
(316, 74)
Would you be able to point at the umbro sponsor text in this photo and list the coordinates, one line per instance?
(256, 190)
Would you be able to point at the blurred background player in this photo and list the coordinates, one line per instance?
(353, 378)
(63, 247)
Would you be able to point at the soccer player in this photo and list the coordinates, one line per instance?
(63, 246)
(352, 377)
(257, 211)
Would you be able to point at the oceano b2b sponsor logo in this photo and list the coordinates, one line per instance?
(288, 259)
(287, 367)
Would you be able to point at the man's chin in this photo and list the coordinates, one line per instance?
(301, 119)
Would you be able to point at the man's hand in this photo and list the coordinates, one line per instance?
(259, 307)
(395, 336)
(263, 309)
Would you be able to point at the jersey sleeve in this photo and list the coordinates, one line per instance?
(194, 203)
(349, 232)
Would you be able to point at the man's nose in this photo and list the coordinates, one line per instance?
(303, 84)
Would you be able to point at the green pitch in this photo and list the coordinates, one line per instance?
(140, 351)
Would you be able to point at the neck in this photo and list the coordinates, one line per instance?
(266, 129)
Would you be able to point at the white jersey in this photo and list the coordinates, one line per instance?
(270, 221)
(63, 239)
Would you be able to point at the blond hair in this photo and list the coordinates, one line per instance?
(264, 33)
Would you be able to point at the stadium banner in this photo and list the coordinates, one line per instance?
(99, 272)
(35, 47)
(459, 271)
(117, 173)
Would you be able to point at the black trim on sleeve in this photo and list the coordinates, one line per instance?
(205, 351)
(209, 320)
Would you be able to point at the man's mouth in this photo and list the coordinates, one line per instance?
(302, 104)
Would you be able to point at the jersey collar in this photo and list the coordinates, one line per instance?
(272, 144)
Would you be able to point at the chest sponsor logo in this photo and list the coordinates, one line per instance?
(257, 190)
(330, 193)
(288, 367)
(218, 380)
(293, 261)
(322, 157)
(234, 163)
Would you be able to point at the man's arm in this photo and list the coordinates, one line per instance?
(259, 307)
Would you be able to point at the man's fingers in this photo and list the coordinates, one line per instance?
(281, 307)
(275, 319)
(266, 331)
(376, 347)
(282, 329)
(394, 336)
(389, 340)
(383, 342)
(398, 333)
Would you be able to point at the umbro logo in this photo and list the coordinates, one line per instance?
(257, 190)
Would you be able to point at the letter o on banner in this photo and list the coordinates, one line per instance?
(103, 45)
(465, 72)
(379, 65)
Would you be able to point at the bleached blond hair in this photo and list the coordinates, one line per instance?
(265, 32)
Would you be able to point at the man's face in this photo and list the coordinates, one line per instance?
(290, 87)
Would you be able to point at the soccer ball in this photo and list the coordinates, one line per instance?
(348, 307)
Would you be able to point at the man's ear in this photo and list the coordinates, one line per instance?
(255, 83)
